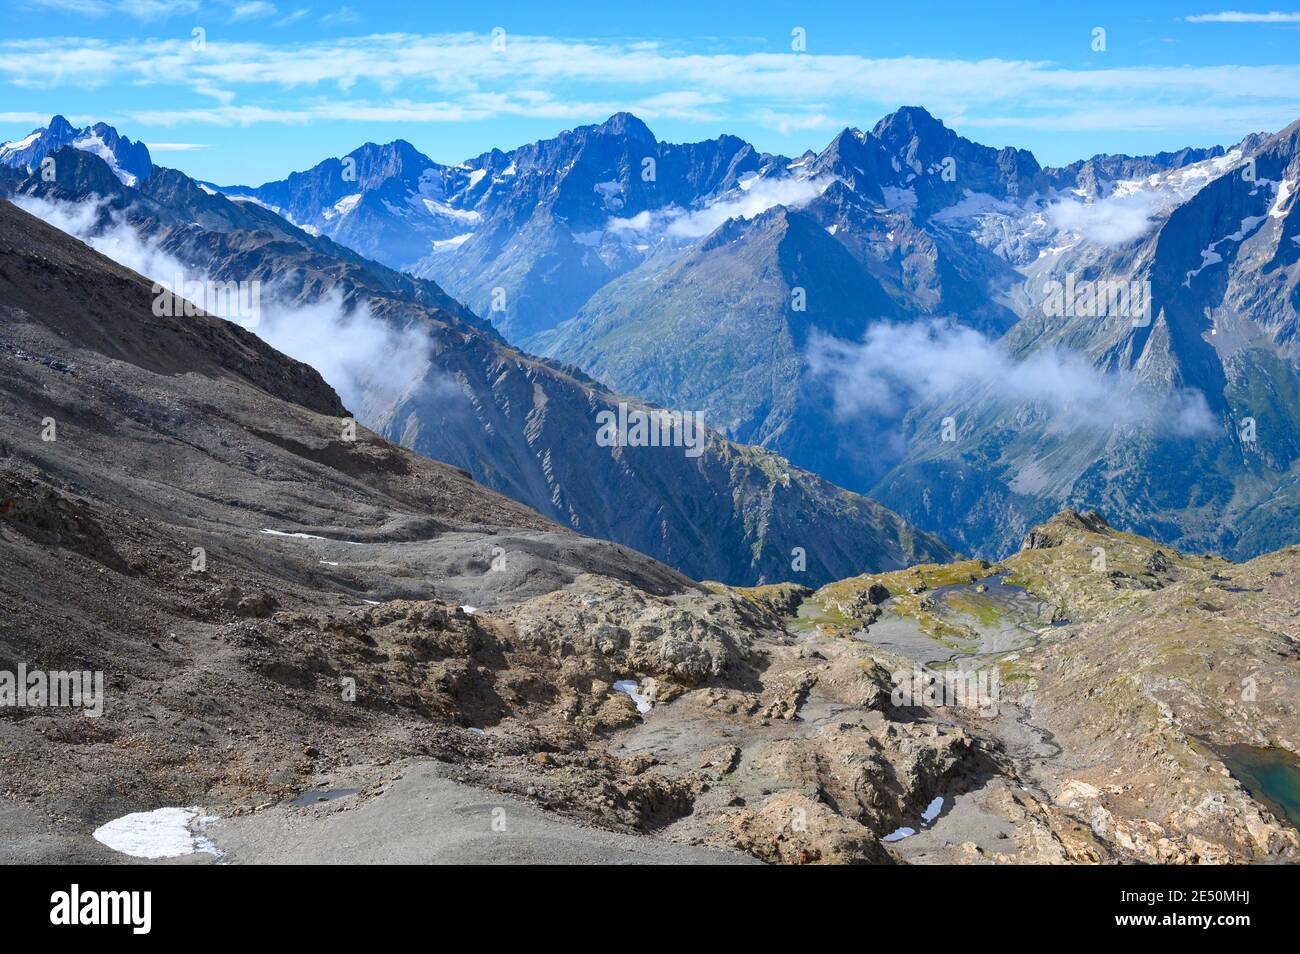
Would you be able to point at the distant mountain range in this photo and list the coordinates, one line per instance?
(887, 313)
(521, 425)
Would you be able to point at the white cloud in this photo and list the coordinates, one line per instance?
(1234, 16)
(105, 233)
(175, 146)
(39, 119)
(251, 10)
(468, 108)
(341, 15)
(762, 195)
(141, 9)
(1114, 220)
(787, 122)
(369, 362)
(898, 366)
(788, 91)
(1235, 120)
(292, 17)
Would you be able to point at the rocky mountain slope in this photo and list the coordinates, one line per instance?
(370, 637)
(524, 426)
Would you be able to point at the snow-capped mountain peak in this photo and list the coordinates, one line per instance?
(130, 161)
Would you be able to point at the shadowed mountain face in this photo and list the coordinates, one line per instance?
(446, 385)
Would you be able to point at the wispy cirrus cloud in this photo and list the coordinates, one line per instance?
(176, 146)
(251, 10)
(464, 62)
(292, 17)
(1232, 120)
(342, 15)
(1237, 16)
(531, 104)
(140, 9)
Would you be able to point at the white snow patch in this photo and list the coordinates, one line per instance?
(443, 209)
(471, 610)
(1211, 257)
(431, 183)
(342, 207)
(447, 244)
(974, 204)
(256, 201)
(161, 833)
(285, 533)
(930, 814)
(308, 536)
(96, 146)
(18, 145)
(630, 687)
(932, 810)
(1284, 190)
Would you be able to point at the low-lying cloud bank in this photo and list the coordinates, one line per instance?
(899, 366)
(367, 361)
(1113, 220)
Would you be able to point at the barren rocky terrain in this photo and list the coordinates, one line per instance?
(377, 659)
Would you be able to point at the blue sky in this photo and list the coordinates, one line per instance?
(277, 85)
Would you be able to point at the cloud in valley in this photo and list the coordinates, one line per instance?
(368, 361)
(1114, 220)
(761, 195)
(898, 366)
